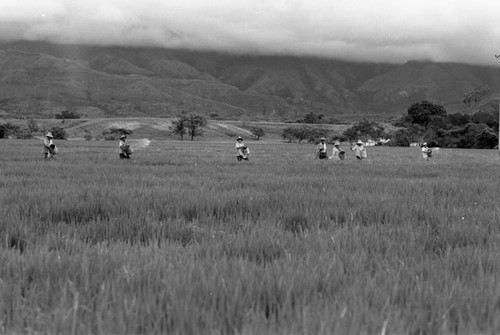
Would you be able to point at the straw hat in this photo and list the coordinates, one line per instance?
(123, 137)
(336, 143)
(359, 142)
(239, 138)
(322, 139)
(49, 134)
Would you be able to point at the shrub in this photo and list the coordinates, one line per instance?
(59, 133)
(120, 131)
(364, 129)
(8, 129)
(67, 115)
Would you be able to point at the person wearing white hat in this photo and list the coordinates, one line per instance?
(337, 153)
(321, 149)
(242, 151)
(125, 150)
(359, 150)
(49, 148)
(426, 151)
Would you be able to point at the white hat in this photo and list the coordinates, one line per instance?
(239, 138)
(336, 143)
(49, 134)
(359, 142)
(123, 136)
(322, 139)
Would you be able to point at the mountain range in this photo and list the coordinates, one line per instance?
(39, 79)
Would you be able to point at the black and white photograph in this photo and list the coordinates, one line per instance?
(288, 167)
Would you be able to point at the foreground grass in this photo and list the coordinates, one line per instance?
(184, 239)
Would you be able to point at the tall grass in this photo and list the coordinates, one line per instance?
(184, 239)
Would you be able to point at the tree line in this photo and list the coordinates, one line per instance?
(429, 122)
(423, 122)
(28, 131)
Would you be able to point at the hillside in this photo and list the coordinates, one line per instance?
(41, 79)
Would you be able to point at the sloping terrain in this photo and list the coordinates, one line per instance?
(41, 79)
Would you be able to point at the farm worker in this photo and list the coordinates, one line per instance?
(49, 148)
(125, 150)
(337, 153)
(321, 149)
(426, 151)
(242, 150)
(359, 150)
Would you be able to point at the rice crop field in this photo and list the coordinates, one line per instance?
(183, 239)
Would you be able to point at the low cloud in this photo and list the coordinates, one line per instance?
(359, 30)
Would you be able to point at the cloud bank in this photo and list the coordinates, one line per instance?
(356, 30)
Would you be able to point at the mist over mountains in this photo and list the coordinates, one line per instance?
(39, 79)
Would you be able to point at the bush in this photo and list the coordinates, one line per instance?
(9, 130)
(364, 129)
(67, 115)
(119, 131)
(59, 133)
(400, 138)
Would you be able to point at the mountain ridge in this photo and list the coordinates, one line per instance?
(40, 79)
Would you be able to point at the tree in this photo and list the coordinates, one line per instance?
(179, 126)
(401, 138)
(459, 119)
(422, 112)
(288, 134)
(311, 118)
(3, 131)
(364, 128)
(478, 136)
(257, 132)
(195, 124)
(489, 118)
(439, 122)
(314, 134)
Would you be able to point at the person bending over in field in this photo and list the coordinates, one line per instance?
(242, 151)
(49, 148)
(337, 153)
(321, 149)
(125, 149)
(426, 151)
(359, 150)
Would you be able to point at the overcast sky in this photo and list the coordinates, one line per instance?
(361, 30)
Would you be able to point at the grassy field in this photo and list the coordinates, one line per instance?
(183, 239)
